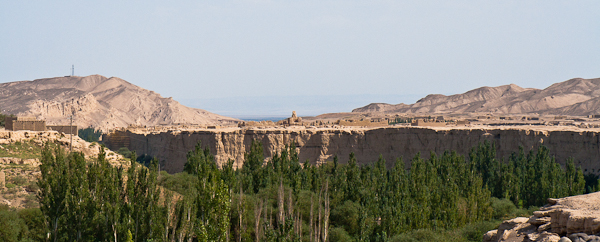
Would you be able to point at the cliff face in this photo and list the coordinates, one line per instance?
(318, 145)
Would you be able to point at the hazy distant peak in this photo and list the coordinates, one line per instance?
(576, 96)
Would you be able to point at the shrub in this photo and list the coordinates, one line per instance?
(420, 235)
(182, 183)
(347, 216)
(475, 232)
(19, 180)
(124, 152)
(144, 159)
(502, 208)
(12, 228)
(30, 201)
(34, 219)
(32, 187)
(339, 234)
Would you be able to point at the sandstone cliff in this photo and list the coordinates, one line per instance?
(573, 97)
(318, 145)
(98, 101)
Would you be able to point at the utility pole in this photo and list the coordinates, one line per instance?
(71, 131)
(73, 70)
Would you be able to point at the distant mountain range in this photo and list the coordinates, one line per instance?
(98, 101)
(577, 97)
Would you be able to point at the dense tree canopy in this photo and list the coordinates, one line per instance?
(283, 199)
(89, 134)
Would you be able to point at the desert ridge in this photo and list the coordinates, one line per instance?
(100, 102)
(575, 97)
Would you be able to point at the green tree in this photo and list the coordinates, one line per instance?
(252, 168)
(12, 227)
(54, 189)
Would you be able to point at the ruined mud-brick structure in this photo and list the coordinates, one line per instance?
(30, 123)
(65, 129)
(374, 122)
(421, 122)
(463, 122)
(291, 121)
(24, 123)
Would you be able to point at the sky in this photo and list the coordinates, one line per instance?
(261, 57)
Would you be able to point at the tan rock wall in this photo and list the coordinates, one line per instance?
(321, 145)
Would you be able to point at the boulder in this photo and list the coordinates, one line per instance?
(576, 218)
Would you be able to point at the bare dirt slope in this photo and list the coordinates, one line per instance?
(573, 97)
(98, 101)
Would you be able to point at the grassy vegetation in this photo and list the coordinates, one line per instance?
(23, 150)
(26, 149)
(467, 233)
(18, 176)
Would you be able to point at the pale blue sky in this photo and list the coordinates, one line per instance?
(248, 57)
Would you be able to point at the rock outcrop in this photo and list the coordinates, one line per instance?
(98, 101)
(573, 97)
(575, 218)
(321, 144)
(39, 138)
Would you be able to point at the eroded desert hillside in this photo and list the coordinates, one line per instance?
(577, 97)
(97, 101)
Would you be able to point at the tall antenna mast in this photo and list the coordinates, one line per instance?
(73, 70)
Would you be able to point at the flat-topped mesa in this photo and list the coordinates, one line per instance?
(318, 145)
(573, 217)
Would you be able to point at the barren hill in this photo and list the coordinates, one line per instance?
(573, 97)
(98, 101)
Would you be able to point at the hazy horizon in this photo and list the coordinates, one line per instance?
(282, 106)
